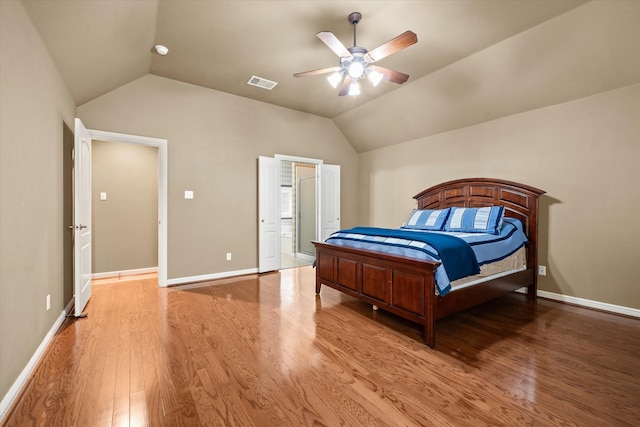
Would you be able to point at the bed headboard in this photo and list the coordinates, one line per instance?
(519, 200)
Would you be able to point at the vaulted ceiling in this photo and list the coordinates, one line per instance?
(100, 45)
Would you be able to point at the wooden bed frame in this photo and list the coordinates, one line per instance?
(405, 286)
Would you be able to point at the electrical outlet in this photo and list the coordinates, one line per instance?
(228, 256)
(542, 270)
(48, 302)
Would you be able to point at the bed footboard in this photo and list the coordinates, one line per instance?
(399, 285)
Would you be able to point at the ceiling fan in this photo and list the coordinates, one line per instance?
(356, 62)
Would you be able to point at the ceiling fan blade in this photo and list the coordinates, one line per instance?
(346, 84)
(316, 72)
(334, 44)
(390, 75)
(392, 46)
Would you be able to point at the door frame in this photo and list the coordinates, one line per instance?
(161, 145)
(318, 163)
(320, 194)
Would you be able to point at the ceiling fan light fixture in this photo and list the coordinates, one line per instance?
(356, 69)
(375, 77)
(334, 79)
(354, 89)
(355, 62)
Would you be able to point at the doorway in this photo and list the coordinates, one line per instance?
(124, 209)
(298, 213)
(67, 215)
(271, 206)
(161, 145)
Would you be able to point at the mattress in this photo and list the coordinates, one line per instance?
(509, 265)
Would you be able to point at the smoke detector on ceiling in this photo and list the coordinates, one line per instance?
(161, 50)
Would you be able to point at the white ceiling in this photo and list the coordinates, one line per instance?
(100, 45)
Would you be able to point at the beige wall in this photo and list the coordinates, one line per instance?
(214, 141)
(585, 154)
(125, 225)
(34, 103)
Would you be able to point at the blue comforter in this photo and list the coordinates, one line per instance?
(456, 255)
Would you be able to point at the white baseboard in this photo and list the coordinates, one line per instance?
(133, 272)
(618, 309)
(587, 303)
(205, 277)
(70, 306)
(24, 376)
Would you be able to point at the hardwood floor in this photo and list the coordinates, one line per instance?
(264, 351)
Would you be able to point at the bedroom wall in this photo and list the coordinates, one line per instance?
(34, 105)
(214, 141)
(584, 151)
(125, 225)
(585, 154)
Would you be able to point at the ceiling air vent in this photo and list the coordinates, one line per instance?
(260, 82)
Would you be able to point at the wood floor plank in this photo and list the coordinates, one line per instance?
(153, 403)
(264, 350)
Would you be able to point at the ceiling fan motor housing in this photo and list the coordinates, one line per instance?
(355, 17)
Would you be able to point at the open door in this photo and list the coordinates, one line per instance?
(268, 214)
(328, 192)
(82, 217)
(329, 200)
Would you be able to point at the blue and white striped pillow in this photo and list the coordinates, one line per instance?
(476, 220)
(425, 219)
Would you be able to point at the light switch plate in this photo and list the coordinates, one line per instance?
(103, 195)
(188, 194)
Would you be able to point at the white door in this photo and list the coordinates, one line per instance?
(82, 217)
(268, 214)
(329, 200)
